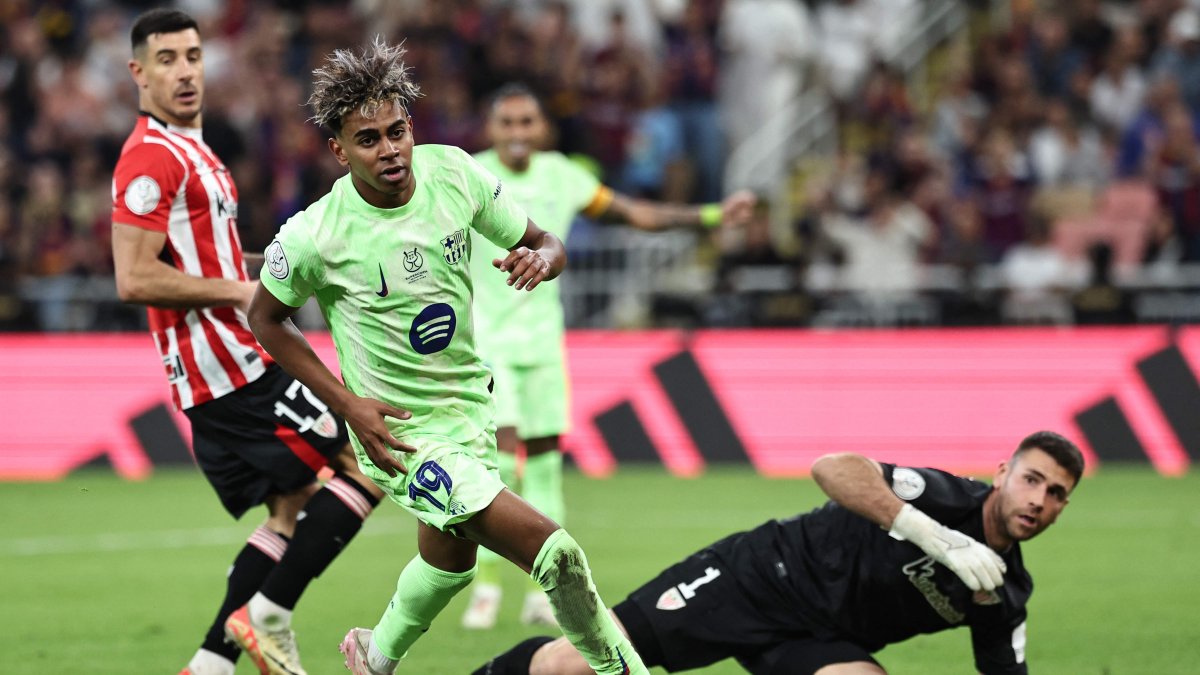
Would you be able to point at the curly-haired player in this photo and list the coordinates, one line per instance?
(387, 255)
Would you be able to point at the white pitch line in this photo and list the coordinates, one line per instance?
(109, 542)
(116, 542)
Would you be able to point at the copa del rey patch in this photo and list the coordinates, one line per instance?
(142, 195)
(671, 600)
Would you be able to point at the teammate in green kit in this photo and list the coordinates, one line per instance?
(520, 335)
(387, 255)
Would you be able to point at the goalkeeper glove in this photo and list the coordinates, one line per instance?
(978, 566)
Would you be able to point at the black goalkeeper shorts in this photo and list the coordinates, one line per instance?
(694, 614)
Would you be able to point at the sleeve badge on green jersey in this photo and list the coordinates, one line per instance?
(277, 263)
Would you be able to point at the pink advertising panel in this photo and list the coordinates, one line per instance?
(950, 398)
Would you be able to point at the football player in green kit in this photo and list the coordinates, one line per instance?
(387, 255)
(520, 335)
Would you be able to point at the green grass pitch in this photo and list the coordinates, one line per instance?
(101, 575)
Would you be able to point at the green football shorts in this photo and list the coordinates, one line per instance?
(534, 399)
(447, 482)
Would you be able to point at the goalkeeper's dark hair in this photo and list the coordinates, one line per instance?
(160, 20)
(1057, 446)
(362, 81)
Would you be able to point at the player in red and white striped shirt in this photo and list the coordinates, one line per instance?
(258, 434)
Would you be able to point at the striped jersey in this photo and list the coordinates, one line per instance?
(168, 180)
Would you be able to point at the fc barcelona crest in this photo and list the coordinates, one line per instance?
(454, 246)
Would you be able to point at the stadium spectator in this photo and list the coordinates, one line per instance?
(1067, 152)
(881, 248)
(758, 284)
(656, 165)
(765, 46)
(895, 553)
(412, 345)
(1090, 33)
(556, 59)
(1121, 63)
(1037, 278)
(847, 36)
(1147, 127)
(1179, 59)
(1173, 167)
(1119, 89)
(958, 115)
(619, 76)
(1001, 187)
(258, 435)
(1053, 61)
(691, 66)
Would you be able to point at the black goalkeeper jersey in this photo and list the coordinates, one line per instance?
(837, 575)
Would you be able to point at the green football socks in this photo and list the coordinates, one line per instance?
(506, 464)
(421, 593)
(562, 571)
(542, 484)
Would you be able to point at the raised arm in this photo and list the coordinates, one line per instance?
(143, 278)
(649, 215)
(857, 483)
(539, 256)
(270, 320)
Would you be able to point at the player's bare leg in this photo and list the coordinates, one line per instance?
(486, 591)
(560, 657)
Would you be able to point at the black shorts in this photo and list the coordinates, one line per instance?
(271, 436)
(695, 614)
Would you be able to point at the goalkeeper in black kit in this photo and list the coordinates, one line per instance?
(895, 553)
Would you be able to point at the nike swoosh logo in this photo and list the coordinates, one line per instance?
(383, 293)
(624, 665)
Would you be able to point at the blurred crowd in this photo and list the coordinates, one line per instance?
(1052, 153)
(1050, 174)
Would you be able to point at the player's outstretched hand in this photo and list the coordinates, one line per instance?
(526, 268)
(977, 565)
(737, 208)
(365, 417)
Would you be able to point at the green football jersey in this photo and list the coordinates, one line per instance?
(527, 328)
(396, 290)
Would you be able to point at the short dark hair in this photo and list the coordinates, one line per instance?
(1063, 451)
(515, 90)
(159, 20)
